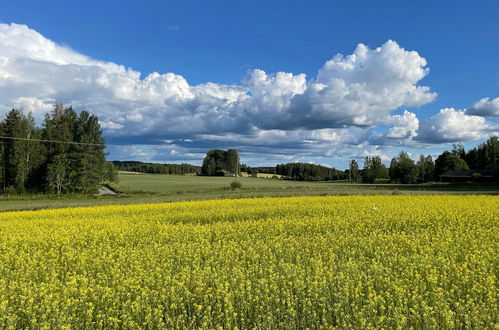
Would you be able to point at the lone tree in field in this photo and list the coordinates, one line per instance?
(220, 160)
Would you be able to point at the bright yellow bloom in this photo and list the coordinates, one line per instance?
(303, 262)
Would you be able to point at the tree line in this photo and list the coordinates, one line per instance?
(253, 170)
(65, 155)
(405, 170)
(153, 168)
(309, 172)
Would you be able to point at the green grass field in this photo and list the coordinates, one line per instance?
(163, 183)
(158, 188)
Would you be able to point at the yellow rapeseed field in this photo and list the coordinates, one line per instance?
(304, 262)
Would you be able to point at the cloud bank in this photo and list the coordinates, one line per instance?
(269, 113)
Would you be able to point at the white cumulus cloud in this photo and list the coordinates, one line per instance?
(360, 89)
(485, 108)
(405, 126)
(450, 125)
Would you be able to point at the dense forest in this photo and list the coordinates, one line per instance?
(309, 172)
(65, 155)
(153, 168)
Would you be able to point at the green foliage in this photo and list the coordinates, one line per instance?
(235, 185)
(110, 173)
(153, 168)
(232, 160)
(425, 169)
(458, 150)
(58, 173)
(220, 160)
(373, 169)
(354, 172)
(460, 164)
(402, 169)
(70, 158)
(447, 161)
(89, 155)
(485, 155)
(309, 172)
(258, 169)
(20, 157)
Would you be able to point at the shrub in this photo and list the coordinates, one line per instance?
(235, 185)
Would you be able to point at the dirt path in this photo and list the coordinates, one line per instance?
(103, 190)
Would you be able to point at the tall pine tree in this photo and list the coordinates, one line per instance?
(89, 161)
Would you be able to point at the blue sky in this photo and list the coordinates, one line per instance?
(223, 42)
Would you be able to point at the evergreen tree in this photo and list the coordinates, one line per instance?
(35, 155)
(485, 155)
(14, 150)
(88, 161)
(70, 159)
(20, 156)
(3, 143)
(58, 128)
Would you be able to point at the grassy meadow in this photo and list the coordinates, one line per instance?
(137, 188)
(302, 262)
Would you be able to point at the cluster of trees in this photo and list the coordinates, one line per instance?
(373, 169)
(485, 155)
(153, 168)
(309, 172)
(405, 170)
(217, 160)
(65, 155)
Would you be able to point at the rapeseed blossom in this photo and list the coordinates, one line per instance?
(301, 262)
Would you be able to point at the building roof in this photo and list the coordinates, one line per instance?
(488, 172)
